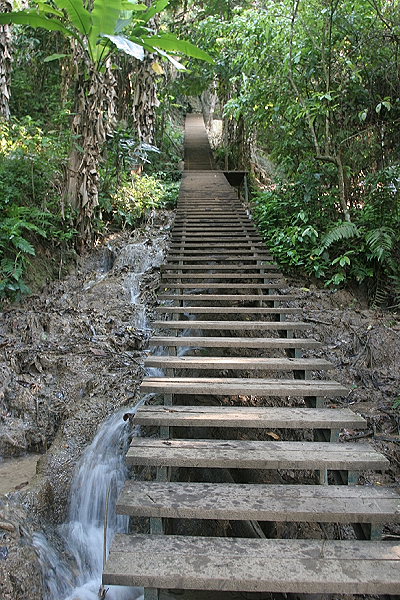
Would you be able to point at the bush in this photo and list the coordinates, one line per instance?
(305, 236)
(30, 165)
(137, 199)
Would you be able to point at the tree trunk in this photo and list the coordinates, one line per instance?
(145, 101)
(5, 61)
(82, 186)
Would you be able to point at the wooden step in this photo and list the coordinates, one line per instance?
(249, 416)
(228, 276)
(226, 297)
(263, 258)
(229, 286)
(233, 342)
(232, 245)
(228, 386)
(233, 325)
(276, 503)
(240, 363)
(219, 251)
(254, 565)
(232, 268)
(226, 310)
(240, 454)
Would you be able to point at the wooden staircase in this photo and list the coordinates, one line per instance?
(239, 398)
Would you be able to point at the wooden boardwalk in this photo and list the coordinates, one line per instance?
(248, 439)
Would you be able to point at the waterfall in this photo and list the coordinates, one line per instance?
(101, 473)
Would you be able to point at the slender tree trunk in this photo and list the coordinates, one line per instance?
(5, 61)
(82, 186)
(145, 101)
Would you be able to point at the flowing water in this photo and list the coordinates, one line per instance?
(100, 476)
(98, 479)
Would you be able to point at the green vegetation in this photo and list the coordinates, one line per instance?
(309, 96)
(78, 84)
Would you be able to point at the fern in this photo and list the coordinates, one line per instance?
(341, 231)
(380, 242)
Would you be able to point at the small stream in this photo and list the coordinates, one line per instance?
(99, 477)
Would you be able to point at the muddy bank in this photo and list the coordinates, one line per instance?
(70, 357)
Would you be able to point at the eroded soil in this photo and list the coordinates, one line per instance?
(71, 356)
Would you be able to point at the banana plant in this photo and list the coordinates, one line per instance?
(98, 30)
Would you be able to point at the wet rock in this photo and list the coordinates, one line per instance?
(20, 570)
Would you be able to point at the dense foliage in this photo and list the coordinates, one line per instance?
(83, 83)
(309, 92)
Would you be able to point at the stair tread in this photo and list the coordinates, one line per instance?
(218, 362)
(240, 454)
(244, 416)
(232, 501)
(226, 297)
(206, 275)
(243, 564)
(169, 267)
(233, 342)
(233, 325)
(243, 386)
(246, 310)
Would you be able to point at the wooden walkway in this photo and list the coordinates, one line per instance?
(248, 437)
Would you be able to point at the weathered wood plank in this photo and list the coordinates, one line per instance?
(226, 297)
(288, 566)
(239, 363)
(233, 342)
(233, 325)
(237, 386)
(284, 503)
(233, 454)
(212, 267)
(226, 310)
(243, 416)
(206, 275)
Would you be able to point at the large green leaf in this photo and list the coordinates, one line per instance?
(126, 46)
(171, 59)
(170, 43)
(105, 16)
(77, 13)
(35, 20)
(133, 6)
(154, 10)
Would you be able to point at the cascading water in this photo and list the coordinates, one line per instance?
(97, 482)
(101, 475)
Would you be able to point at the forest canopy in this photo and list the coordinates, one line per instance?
(307, 92)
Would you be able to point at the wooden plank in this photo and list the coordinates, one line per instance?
(247, 386)
(265, 259)
(233, 325)
(282, 503)
(200, 250)
(242, 454)
(233, 342)
(227, 276)
(239, 363)
(227, 297)
(213, 267)
(226, 310)
(229, 286)
(254, 565)
(249, 416)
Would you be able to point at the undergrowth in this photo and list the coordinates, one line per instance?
(299, 223)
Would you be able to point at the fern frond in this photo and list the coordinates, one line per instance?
(380, 242)
(341, 231)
